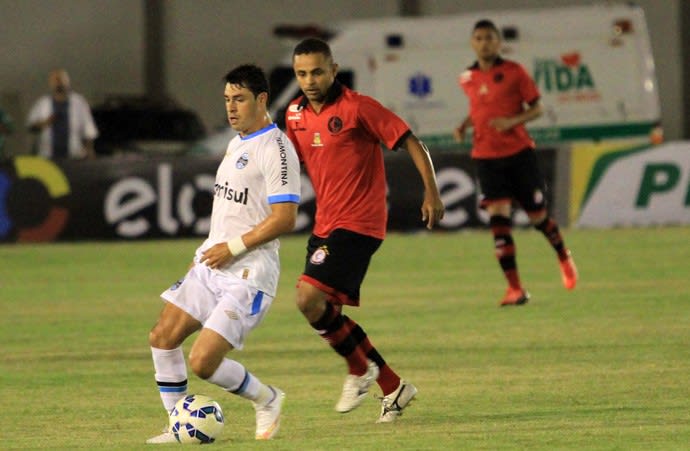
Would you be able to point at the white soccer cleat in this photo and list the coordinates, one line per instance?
(165, 437)
(392, 405)
(268, 416)
(356, 388)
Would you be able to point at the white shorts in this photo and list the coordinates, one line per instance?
(220, 302)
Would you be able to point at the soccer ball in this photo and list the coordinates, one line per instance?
(196, 419)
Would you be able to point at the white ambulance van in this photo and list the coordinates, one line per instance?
(593, 66)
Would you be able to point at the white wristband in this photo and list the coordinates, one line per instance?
(236, 246)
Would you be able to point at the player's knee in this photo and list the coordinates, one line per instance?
(309, 299)
(202, 363)
(159, 339)
(537, 217)
(499, 208)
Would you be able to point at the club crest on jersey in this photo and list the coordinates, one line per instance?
(242, 161)
(319, 255)
(335, 124)
(316, 141)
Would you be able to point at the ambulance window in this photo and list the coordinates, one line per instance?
(278, 80)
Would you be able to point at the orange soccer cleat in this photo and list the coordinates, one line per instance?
(568, 272)
(515, 297)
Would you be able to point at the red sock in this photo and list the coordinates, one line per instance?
(505, 249)
(552, 233)
(336, 330)
(388, 380)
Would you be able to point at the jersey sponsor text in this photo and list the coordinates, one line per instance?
(225, 192)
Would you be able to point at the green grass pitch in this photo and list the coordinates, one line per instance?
(606, 366)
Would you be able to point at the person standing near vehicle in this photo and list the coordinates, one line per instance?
(234, 276)
(502, 98)
(338, 133)
(6, 129)
(62, 121)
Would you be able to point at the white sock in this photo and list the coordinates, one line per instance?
(234, 377)
(171, 375)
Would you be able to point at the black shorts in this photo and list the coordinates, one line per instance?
(338, 263)
(516, 177)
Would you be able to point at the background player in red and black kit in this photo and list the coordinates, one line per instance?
(502, 97)
(338, 134)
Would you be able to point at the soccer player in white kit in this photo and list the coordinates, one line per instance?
(234, 275)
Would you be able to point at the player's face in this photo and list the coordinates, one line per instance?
(486, 43)
(58, 80)
(315, 74)
(245, 112)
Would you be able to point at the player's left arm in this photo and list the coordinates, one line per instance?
(530, 113)
(281, 220)
(391, 130)
(432, 207)
(532, 108)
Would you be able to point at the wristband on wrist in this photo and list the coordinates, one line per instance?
(236, 246)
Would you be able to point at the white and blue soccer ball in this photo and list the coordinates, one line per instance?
(196, 419)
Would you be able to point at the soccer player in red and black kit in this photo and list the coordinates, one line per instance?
(338, 133)
(502, 98)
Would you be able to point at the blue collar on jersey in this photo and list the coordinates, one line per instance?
(259, 132)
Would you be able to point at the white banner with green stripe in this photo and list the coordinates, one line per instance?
(631, 186)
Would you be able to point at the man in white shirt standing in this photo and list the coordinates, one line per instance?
(234, 276)
(63, 121)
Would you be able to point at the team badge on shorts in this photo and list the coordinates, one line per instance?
(242, 161)
(319, 255)
(538, 197)
(176, 285)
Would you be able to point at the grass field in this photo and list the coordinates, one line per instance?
(606, 366)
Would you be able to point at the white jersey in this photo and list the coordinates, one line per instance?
(258, 170)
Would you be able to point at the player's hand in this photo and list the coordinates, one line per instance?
(502, 124)
(47, 122)
(459, 133)
(216, 256)
(432, 211)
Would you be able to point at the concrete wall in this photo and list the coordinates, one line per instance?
(98, 41)
(101, 43)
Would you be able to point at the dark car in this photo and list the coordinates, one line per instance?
(141, 125)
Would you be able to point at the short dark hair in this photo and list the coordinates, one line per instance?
(248, 76)
(485, 24)
(313, 45)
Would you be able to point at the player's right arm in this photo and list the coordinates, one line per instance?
(460, 131)
(281, 220)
